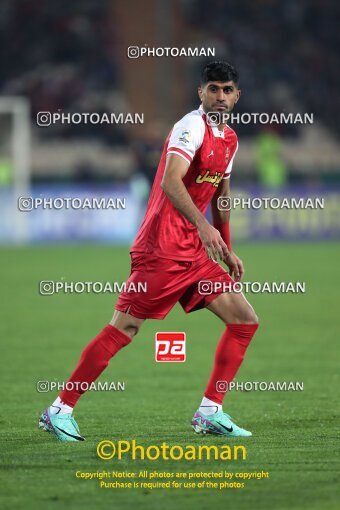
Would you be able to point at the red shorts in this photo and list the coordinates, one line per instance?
(167, 282)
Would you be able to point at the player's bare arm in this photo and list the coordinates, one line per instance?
(234, 263)
(173, 186)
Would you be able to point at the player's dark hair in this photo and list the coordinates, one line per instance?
(219, 71)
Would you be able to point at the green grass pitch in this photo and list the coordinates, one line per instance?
(295, 434)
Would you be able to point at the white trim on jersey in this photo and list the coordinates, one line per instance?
(188, 134)
(179, 154)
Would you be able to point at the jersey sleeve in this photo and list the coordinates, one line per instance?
(186, 137)
(230, 165)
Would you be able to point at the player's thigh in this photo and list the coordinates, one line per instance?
(127, 323)
(233, 308)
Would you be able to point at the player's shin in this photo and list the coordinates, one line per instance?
(94, 359)
(228, 359)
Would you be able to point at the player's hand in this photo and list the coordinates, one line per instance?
(212, 241)
(235, 265)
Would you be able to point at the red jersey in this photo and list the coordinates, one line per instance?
(165, 232)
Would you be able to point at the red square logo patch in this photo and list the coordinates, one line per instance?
(170, 347)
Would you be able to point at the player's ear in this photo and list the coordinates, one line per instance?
(200, 92)
(238, 95)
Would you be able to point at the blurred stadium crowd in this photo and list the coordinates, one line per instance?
(291, 44)
(67, 56)
(61, 56)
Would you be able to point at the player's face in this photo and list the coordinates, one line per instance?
(219, 96)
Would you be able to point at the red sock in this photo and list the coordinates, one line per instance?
(228, 358)
(94, 359)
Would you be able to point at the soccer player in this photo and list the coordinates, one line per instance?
(175, 249)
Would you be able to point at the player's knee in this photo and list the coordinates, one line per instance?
(127, 324)
(128, 329)
(251, 318)
(131, 330)
(247, 316)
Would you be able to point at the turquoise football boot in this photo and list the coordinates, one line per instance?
(63, 426)
(218, 424)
